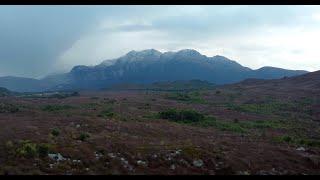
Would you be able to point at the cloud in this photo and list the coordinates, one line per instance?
(37, 40)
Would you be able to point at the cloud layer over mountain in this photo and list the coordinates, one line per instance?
(37, 40)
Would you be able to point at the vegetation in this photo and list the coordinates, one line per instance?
(195, 118)
(58, 95)
(4, 92)
(108, 113)
(83, 136)
(8, 108)
(52, 108)
(192, 97)
(272, 107)
(28, 149)
(181, 116)
(64, 95)
(298, 140)
(55, 132)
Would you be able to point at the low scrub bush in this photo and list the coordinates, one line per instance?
(8, 108)
(55, 132)
(181, 116)
(193, 97)
(84, 136)
(52, 108)
(106, 113)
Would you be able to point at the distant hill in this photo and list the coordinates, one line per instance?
(149, 66)
(306, 85)
(21, 84)
(4, 92)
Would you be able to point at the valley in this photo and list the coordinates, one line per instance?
(252, 127)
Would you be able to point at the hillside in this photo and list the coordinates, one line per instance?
(297, 85)
(4, 92)
(166, 86)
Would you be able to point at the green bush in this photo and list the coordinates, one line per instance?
(55, 132)
(84, 136)
(8, 108)
(51, 108)
(183, 115)
(298, 140)
(43, 150)
(106, 113)
(193, 97)
(27, 149)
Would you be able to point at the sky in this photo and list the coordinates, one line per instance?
(36, 41)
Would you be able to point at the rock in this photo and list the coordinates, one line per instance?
(98, 155)
(301, 149)
(141, 163)
(87, 169)
(57, 157)
(126, 164)
(111, 155)
(76, 161)
(124, 161)
(198, 163)
(178, 152)
(78, 126)
(243, 173)
(172, 167)
(184, 162)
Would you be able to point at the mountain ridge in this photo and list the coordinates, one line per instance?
(148, 66)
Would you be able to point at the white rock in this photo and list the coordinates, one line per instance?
(301, 149)
(178, 152)
(111, 155)
(57, 157)
(76, 161)
(143, 163)
(198, 163)
(172, 167)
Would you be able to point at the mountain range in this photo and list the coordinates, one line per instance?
(148, 66)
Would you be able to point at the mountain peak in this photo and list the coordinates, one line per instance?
(220, 57)
(146, 52)
(189, 52)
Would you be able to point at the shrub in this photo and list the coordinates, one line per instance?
(183, 115)
(55, 132)
(51, 108)
(106, 113)
(84, 136)
(9, 145)
(236, 120)
(27, 149)
(8, 108)
(43, 150)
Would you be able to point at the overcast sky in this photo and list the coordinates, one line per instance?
(40, 40)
